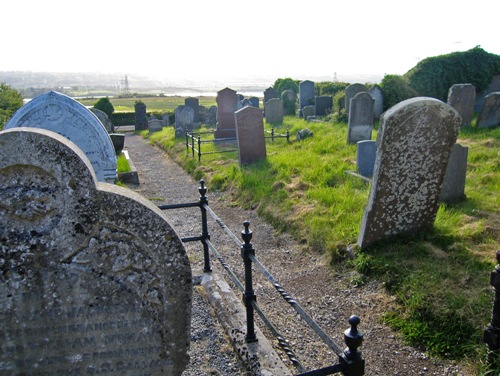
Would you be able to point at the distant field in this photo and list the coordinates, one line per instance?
(160, 104)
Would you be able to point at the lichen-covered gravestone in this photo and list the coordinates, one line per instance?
(93, 279)
(413, 147)
(61, 114)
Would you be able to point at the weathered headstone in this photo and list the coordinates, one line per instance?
(306, 95)
(453, 189)
(323, 104)
(413, 147)
(155, 125)
(274, 111)
(360, 123)
(61, 114)
(141, 120)
(289, 99)
(165, 119)
(195, 104)
(378, 97)
(350, 92)
(184, 116)
(489, 116)
(308, 111)
(462, 98)
(227, 102)
(365, 157)
(103, 118)
(250, 135)
(94, 279)
(269, 93)
(211, 119)
(254, 101)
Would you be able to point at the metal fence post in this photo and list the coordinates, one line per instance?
(187, 143)
(352, 362)
(199, 148)
(192, 144)
(249, 295)
(204, 226)
(492, 333)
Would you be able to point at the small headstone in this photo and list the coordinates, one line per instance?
(95, 281)
(453, 189)
(103, 118)
(254, 101)
(360, 123)
(413, 147)
(184, 116)
(350, 92)
(324, 105)
(462, 98)
(141, 120)
(227, 102)
(308, 111)
(306, 95)
(489, 116)
(303, 133)
(378, 97)
(118, 140)
(289, 99)
(365, 157)
(211, 119)
(250, 135)
(274, 111)
(61, 114)
(195, 104)
(155, 125)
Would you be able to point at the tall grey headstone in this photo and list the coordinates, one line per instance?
(306, 95)
(274, 111)
(141, 119)
(250, 135)
(378, 97)
(227, 103)
(324, 105)
(195, 104)
(462, 98)
(184, 116)
(453, 189)
(489, 116)
(350, 92)
(360, 123)
(365, 157)
(95, 281)
(61, 114)
(413, 147)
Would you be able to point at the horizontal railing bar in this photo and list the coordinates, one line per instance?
(179, 206)
(323, 371)
(223, 225)
(222, 151)
(192, 239)
(223, 262)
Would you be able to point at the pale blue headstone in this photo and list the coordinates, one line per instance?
(365, 157)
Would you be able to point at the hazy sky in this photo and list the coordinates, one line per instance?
(221, 38)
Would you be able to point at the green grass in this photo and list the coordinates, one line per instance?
(440, 278)
(122, 163)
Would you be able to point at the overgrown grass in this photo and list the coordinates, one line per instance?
(122, 163)
(440, 278)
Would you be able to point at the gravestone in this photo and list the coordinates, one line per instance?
(269, 93)
(306, 95)
(308, 111)
(118, 140)
(489, 116)
(323, 104)
(211, 119)
(365, 157)
(462, 98)
(103, 118)
(453, 189)
(195, 104)
(350, 92)
(184, 116)
(378, 98)
(165, 119)
(141, 120)
(289, 99)
(96, 280)
(254, 101)
(227, 102)
(202, 112)
(155, 125)
(274, 111)
(413, 147)
(250, 135)
(360, 123)
(61, 114)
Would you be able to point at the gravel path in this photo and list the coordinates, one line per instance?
(327, 295)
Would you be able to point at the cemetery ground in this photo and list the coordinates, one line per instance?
(433, 289)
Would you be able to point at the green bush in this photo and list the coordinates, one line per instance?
(282, 84)
(10, 102)
(123, 118)
(329, 88)
(395, 89)
(105, 105)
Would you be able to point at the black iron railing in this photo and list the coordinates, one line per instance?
(350, 361)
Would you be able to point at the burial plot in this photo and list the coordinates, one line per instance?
(250, 135)
(489, 116)
(274, 111)
(61, 114)
(360, 123)
(306, 95)
(94, 280)
(227, 102)
(350, 92)
(462, 98)
(413, 147)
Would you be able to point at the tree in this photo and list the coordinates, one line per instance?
(395, 89)
(104, 104)
(10, 102)
(282, 84)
